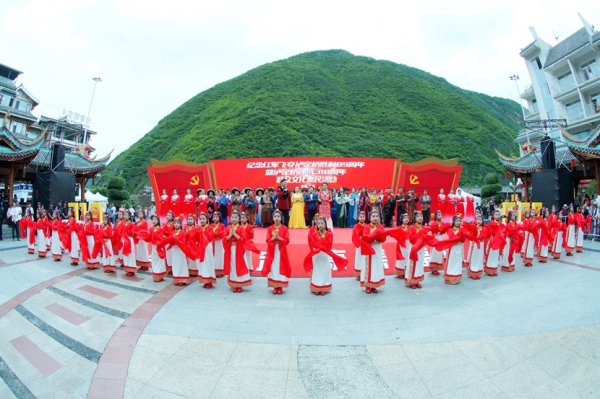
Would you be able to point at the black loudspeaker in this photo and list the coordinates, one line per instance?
(552, 187)
(548, 153)
(53, 187)
(58, 158)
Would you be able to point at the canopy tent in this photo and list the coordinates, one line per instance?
(93, 197)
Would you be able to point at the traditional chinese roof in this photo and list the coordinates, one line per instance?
(13, 148)
(532, 161)
(588, 147)
(74, 162)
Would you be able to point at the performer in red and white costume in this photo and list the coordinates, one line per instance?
(438, 229)
(478, 235)
(27, 227)
(193, 238)
(104, 237)
(155, 236)
(42, 226)
(571, 235)
(419, 236)
(277, 264)
(249, 246)
(189, 203)
(557, 231)
(89, 231)
(165, 202)
(581, 227)
(72, 238)
(372, 276)
(206, 270)
(238, 275)
(142, 253)
(545, 231)
(176, 203)
(402, 246)
(513, 241)
(218, 233)
(126, 233)
(317, 262)
(117, 240)
(57, 238)
(325, 205)
(495, 248)
(530, 230)
(450, 211)
(177, 244)
(357, 232)
(201, 202)
(456, 236)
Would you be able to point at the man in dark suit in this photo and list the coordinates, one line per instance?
(311, 198)
(284, 201)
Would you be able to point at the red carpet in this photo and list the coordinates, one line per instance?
(298, 249)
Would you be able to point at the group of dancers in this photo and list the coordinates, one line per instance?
(190, 247)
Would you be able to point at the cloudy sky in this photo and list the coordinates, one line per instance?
(154, 55)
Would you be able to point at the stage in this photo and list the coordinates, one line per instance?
(298, 249)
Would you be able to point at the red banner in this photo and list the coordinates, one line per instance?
(336, 172)
(177, 175)
(430, 174)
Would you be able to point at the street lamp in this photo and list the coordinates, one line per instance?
(515, 79)
(87, 119)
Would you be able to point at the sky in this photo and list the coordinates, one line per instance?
(152, 55)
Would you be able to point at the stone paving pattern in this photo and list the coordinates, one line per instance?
(72, 333)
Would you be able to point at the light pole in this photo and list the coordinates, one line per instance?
(515, 78)
(87, 119)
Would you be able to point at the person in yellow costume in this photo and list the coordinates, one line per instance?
(297, 216)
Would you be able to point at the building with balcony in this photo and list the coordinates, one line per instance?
(26, 142)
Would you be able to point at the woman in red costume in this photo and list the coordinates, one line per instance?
(438, 229)
(372, 277)
(142, 255)
(177, 244)
(317, 262)
(218, 233)
(194, 240)
(513, 240)
(277, 264)
(402, 246)
(545, 232)
(206, 269)
(249, 245)
(155, 236)
(57, 238)
(530, 230)
(126, 234)
(27, 227)
(495, 248)
(238, 275)
(103, 246)
(557, 232)
(478, 235)
(89, 240)
(42, 227)
(357, 232)
(419, 237)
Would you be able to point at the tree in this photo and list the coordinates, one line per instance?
(491, 187)
(115, 190)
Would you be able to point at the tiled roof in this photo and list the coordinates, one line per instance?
(18, 149)
(18, 112)
(532, 162)
(569, 45)
(588, 147)
(73, 162)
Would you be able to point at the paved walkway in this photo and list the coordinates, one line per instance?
(72, 333)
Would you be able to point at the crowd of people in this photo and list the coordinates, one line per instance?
(340, 207)
(206, 247)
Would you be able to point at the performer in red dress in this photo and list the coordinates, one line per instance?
(438, 229)
(176, 203)
(42, 226)
(126, 234)
(206, 270)
(530, 230)
(478, 235)
(450, 211)
(494, 251)
(558, 231)
(167, 231)
(238, 275)
(72, 238)
(142, 250)
(581, 228)
(57, 238)
(513, 236)
(277, 264)
(442, 206)
(164, 203)
(103, 249)
(544, 241)
(249, 246)
(189, 203)
(88, 242)
(372, 276)
(571, 235)
(218, 233)
(27, 228)
(402, 235)
(470, 209)
(201, 202)
(177, 244)
(419, 237)
(155, 236)
(317, 262)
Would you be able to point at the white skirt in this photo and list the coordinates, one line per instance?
(455, 260)
(248, 260)
(129, 260)
(493, 258)
(571, 236)
(40, 242)
(359, 260)
(141, 252)
(579, 238)
(275, 274)
(372, 275)
(90, 246)
(233, 276)
(402, 264)
(108, 257)
(219, 254)
(179, 265)
(74, 247)
(207, 267)
(321, 273)
(529, 246)
(158, 263)
(56, 246)
(506, 252)
(557, 244)
(476, 257)
(415, 270)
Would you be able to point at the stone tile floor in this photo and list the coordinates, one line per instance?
(72, 333)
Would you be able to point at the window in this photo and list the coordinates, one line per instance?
(575, 111)
(18, 128)
(596, 102)
(6, 101)
(590, 69)
(534, 107)
(538, 63)
(23, 106)
(566, 81)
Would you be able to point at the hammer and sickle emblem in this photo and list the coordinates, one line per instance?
(414, 179)
(195, 180)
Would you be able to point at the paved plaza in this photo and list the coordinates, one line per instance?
(68, 332)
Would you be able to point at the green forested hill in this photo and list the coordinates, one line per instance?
(328, 103)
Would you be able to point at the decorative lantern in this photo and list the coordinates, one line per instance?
(573, 163)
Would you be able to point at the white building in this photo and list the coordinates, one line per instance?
(565, 84)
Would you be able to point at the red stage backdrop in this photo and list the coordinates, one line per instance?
(336, 172)
(177, 174)
(430, 173)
